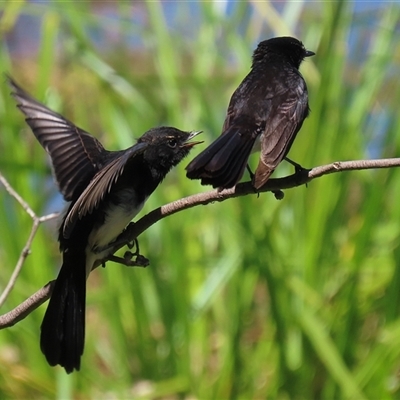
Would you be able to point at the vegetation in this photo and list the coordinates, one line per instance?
(250, 298)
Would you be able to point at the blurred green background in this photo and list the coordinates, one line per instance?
(252, 298)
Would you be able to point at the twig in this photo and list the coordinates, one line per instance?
(242, 189)
(26, 250)
(24, 309)
(17, 197)
(299, 178)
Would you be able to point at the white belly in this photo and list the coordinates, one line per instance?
(117, 218)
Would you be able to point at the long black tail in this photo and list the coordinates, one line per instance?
(63, 328)
(223, 162)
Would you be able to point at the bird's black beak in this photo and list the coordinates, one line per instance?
(190, 137)
(309, 53)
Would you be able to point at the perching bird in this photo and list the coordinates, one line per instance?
(106, 189)
(269, 105)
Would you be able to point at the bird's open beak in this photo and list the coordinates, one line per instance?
(309, 53)
(190, 137)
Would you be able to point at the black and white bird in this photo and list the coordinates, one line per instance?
(106, 189)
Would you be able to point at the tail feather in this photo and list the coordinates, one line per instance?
(199, 165)
(222, 164)
(63, 327)
(232, 171)
(263, 172)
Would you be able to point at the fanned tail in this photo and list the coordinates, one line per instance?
(63, 327)
(223, 162)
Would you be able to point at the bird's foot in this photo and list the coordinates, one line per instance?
(130, 260)
(300, 171)
(296, 166)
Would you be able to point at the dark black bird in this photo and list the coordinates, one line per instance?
(269, 105)
(106, 189)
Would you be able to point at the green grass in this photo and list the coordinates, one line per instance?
(251, 298)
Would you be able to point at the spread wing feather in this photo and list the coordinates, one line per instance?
(74, 153)
(99, 186)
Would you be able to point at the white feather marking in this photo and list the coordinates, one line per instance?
(117, 218)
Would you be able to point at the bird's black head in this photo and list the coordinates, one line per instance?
(288, 47)
(167, 147)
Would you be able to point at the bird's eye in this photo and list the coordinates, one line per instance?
(172, 143)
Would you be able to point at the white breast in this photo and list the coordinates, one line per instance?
(117, 218)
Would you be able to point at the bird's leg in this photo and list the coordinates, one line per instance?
(134, 243)
(139, 261)
(251, 173)
(297, 167)
(139, 258)
(299, 170)
(130, 259)
(127, 260)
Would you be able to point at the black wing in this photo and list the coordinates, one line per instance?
(287, 113)
(75, 154)
(99, 186)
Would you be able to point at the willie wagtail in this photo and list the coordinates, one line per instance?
(106, 189)
(269, 106)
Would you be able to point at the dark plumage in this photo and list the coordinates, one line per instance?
(106, 189)
(269, 105)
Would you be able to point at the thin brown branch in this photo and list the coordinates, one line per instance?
(355, 165)
(24, 309)
(297, 179)
(16, 196)
(242, 189)
(26, 250)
